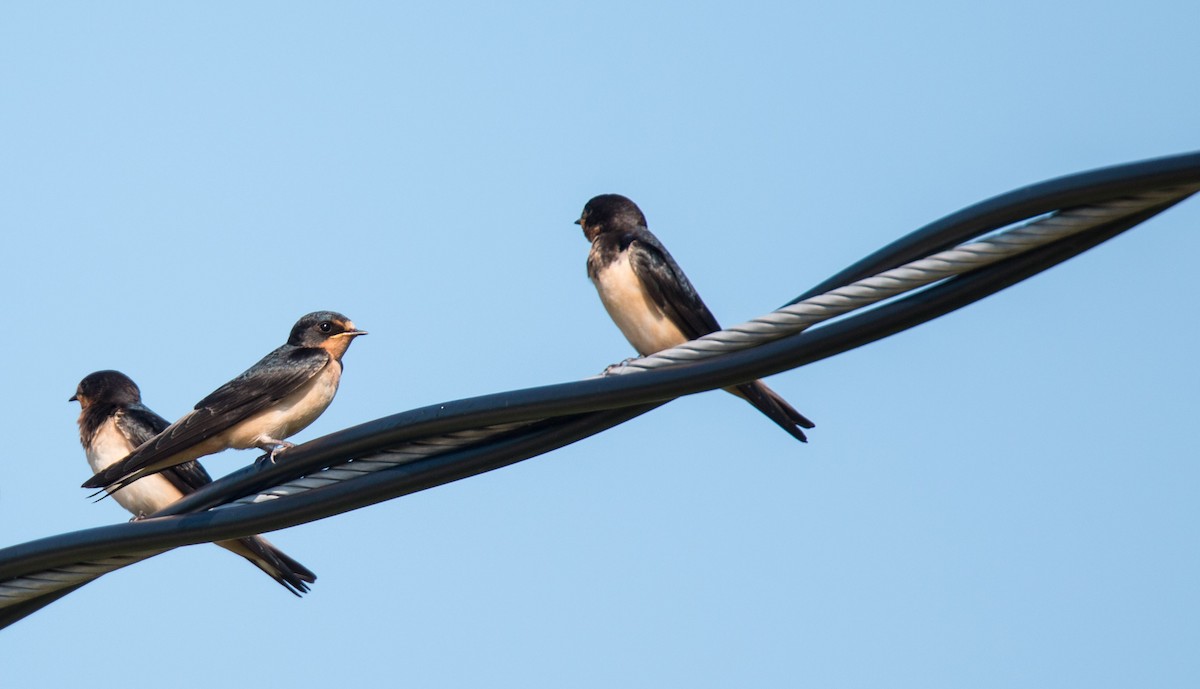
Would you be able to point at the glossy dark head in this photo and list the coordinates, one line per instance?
(106, 387)
(329, 330)
(609, 212)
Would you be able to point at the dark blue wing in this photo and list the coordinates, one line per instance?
(668, 287)
(139, 424)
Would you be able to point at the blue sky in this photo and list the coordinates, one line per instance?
(1006, 496)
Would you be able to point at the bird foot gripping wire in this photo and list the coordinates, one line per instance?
(619, 367)
(276, 447)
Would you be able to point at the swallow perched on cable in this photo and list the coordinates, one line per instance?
(651, 300)
(113, 421)
(277, 397)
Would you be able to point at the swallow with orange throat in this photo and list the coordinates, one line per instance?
(275, 398)
(650, 299)
(113, 422)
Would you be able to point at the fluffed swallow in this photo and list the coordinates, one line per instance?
(277, 397)
(651, 300)
(113, 421)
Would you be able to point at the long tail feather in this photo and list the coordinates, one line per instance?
(774, 407)
(290, 574)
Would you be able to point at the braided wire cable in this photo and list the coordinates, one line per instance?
(801, 315)
(1087, 198)
(39, 584)
(781, 323)
(403, 454)
(29, 587)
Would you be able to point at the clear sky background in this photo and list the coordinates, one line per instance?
(1004, 497)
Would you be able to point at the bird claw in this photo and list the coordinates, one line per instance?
(278, 447)
(613, 369)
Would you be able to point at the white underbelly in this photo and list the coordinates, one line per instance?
(291, 414)
(142, 497)
(641, 321)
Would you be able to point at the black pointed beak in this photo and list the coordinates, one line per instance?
(74, 398)
(579, 221)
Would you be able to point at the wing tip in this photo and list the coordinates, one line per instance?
(96, 481)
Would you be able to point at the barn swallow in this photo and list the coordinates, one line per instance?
(651, 300)
(113, 421)
(277, 397)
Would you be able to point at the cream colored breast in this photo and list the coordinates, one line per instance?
(142, 497)
(107, 447)
(641, 321)
(291, 414)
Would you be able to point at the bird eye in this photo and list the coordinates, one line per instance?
(325, 326)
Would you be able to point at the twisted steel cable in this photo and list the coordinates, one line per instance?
(419, 449)
(783, 322)
(386, 459)
(798, 316)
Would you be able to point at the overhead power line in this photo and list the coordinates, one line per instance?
(939, 268)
